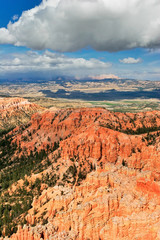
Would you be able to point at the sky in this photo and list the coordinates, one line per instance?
(80, 38)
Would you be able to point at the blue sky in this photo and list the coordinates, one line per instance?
(80, 38)
(10, 8)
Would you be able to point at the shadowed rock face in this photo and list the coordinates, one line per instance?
(114, 191)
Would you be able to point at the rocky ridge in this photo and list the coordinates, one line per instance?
(96, 136)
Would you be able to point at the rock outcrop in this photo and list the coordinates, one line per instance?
(16, 111)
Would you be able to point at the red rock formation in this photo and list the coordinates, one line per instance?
(91, 134)
(119, 199)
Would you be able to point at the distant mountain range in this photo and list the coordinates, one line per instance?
(84, 89)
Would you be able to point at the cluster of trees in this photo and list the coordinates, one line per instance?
(13, 167)
(11, 207)
(138, 131)
(20, 167)
(151, 138)
(141, 130)
(78, 173)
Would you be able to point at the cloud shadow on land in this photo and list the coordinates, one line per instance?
(101, 96)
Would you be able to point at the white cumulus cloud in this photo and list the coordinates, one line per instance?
(15, 17)
(50, 63)
(6, 37)
(69, 25)
(130, 60)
